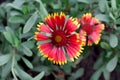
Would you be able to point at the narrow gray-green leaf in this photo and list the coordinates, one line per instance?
(78, 73)
(106, 74)
(84, 1)
(27, 51)
(42, 68)
(16, 19)
(113, 3)
(109, 53)
(2, 12)
(102, 17)
(111, 15)
(22, 74)
(17, 4)
(98, 63)
(29, 24)
(102, 5)
(4, 59)
(39, 76)
(113, 40)
(43, 10)
(29, 44)
(28, 63)
(112, 64)
(6, 70)
(97, 74)
(8, 37)
(105, 45)
(11, 37)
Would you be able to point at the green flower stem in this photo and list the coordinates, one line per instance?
(12, 66)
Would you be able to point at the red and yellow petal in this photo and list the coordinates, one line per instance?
(82, 35)
(72, 52)
(59, 20)
(77, 39)
(60, 57)
(45, 49)
(98, 28)
(94, 21)
(51, 55)
(74, 48)
(40, 37)
(62, 19)
(71, 25)
(86, 18)
(55, 20)
(94, 38)
(43, 28)
(50, 22)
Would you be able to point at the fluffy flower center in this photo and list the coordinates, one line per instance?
(59, 38)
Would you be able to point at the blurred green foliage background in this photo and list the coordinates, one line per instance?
(20, 59)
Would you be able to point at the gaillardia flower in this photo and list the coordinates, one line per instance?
(60, 41)
(91, 28)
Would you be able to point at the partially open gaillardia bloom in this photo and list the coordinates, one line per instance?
(59, 41)
(91, 28)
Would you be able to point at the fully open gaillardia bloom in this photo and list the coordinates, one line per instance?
(91, 28)
(60, 41)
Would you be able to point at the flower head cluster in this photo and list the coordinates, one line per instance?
(91, 28)
(60, 40)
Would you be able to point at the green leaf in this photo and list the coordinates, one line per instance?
(2, 13)
(8, 37)
(106, 74)
(25, 9)
(112, 64)
(56, 6)
(11, 37)
(111, 16)
(6, 70)
(42, 68)
(27, 51)
(29, 24)
(4, 59)
(84, 1)
(105, 45)
(29, 44)
(102, 17)
(98, 63)
(16, 13)
(28, 63)
(17, 4)
(1, 28)
(97, 74)
(78, 73)
(39, 76)
(16, 42)
(22, 74)
(102, 5)
(113, 4)
(109, 53)
(43, 10)
(67, 69)
(16, 19)
(113, 40)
